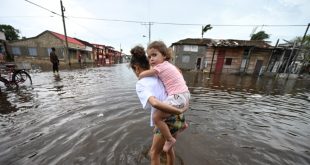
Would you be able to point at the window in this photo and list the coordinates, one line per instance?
(49, 50)
(246, 53)
(16, 51)
(191, 48)
(228, 61)
(32, 51)
(185, 59)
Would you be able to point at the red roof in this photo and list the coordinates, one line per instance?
(71, 40)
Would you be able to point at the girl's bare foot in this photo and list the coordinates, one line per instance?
(168, 144)
(184, 127)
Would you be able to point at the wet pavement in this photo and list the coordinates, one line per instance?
(93, 116)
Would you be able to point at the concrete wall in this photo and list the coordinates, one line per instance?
(190, 63)
(236, 55)
(258, 54)
(206, 54)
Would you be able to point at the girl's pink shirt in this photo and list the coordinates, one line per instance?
(171, 78)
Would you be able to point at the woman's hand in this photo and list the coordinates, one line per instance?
(185, 108)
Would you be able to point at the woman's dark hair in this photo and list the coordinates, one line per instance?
(161, 47)
(138, 57)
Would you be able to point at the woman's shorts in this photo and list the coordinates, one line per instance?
(178, 100)
(174, 122)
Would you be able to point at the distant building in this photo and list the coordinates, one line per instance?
(104, 55)
(221, 56)
(36, 49)
(86, 55)
(2, 47)
(99, 54)
(289, 59)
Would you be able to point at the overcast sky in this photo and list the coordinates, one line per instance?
(119, 23)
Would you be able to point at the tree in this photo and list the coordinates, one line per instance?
(260, 36)
(304, 50)
(299, 40)
(10, 32)
(205, 29)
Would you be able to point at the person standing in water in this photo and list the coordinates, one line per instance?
(55, 61)
(175, 85)
(151, 93)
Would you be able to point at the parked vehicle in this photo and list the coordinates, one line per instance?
(14, 77)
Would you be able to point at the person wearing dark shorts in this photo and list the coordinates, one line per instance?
(54, 60)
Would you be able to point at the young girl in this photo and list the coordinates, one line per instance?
(175, 85)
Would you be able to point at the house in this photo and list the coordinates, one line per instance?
(105, 54)
(36, 49)
(110, 55)
(99, 54)
(221, 56)
(288, 59)
(85, 55)
(2, 47)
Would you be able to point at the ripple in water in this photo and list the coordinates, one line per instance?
(93, 116)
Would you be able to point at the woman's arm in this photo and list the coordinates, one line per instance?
(166, 107)
(147, 73)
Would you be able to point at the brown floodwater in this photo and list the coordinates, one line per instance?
(93, 116)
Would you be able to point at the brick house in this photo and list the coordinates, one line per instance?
(221, 56)
(36, 50)
(103, 55)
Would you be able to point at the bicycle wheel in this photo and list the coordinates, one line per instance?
(21, 77)
(4, 81)
(8, 84)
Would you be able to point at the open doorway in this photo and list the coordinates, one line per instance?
(198, 64)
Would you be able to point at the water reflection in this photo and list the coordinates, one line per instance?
(93, 116)
(5, 105)
(248, 83)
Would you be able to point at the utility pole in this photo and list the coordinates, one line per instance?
(149, 32)
(289, 59)
(149, 24)
(65, 31)
(270, 57)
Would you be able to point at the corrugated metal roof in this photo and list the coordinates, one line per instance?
(222, 42)
(71, 40)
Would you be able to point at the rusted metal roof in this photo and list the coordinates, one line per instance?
(71, 40)
(222, 43)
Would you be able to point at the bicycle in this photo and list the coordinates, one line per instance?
(15, 77)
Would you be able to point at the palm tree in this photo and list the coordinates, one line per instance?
(205, 29)
(260, 36)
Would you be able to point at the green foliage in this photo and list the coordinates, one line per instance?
(299, 40)
(305, 46)
(260, 36)
(10, 32)
(205, 29)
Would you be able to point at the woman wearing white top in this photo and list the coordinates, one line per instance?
(151, 93)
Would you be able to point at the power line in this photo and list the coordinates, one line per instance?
(43, 7)
(105, 19)
(182, 24)
(164, 23)
(29, 16)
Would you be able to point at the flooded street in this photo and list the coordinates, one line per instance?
(93, 116)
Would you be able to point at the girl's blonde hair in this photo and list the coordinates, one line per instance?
(161, 47)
